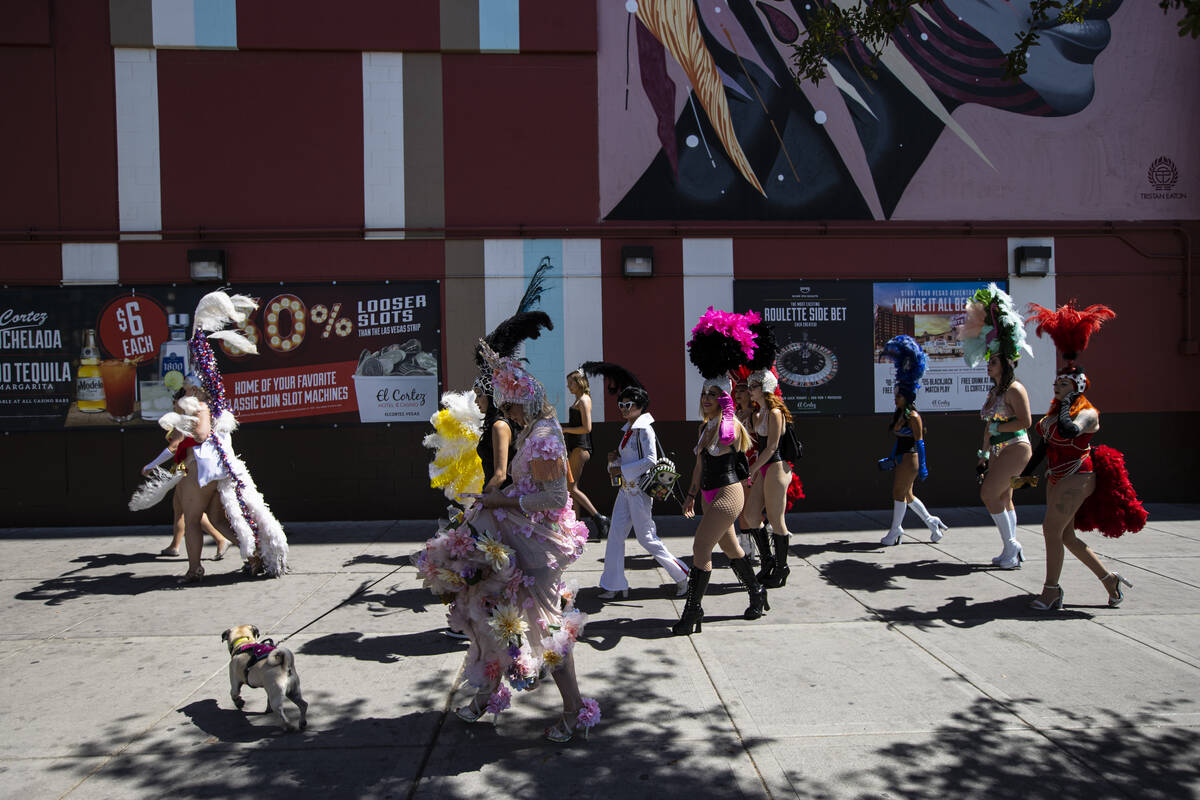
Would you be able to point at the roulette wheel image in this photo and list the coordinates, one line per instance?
(806, 364)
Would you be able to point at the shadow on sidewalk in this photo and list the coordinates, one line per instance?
(978, 753)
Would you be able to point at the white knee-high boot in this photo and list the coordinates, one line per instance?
(896, 533)
(935, 525)
(1011, 557)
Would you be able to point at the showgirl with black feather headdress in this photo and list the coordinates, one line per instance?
(908, 453)
(721, 342)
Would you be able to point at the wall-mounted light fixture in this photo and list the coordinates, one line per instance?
(637, 262)
(206, 265)
(1033, 262)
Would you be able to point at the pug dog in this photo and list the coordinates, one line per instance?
(264, 665)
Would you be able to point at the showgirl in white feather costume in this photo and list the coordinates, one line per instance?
(260, 535)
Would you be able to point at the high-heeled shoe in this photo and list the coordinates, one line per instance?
(193, 575)
(936, 526)
(758, 593)
(613, 594)
(1115, 600)
(893, 537)
(1054, 605)
(474, 710)
(780, 571)
(584, 720)
(221, 548)
(693, 613)
(1012, 556)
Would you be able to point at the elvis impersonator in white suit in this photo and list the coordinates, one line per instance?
(633, 506)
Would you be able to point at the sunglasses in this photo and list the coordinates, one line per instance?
(625, 405)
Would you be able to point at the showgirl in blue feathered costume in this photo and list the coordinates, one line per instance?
(907, 460)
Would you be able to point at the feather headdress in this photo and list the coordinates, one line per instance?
(722, 341)
(763, 360)
(993, 327)
(616, 377)
(505, 340)
(1070, 328)
(910, 361)
(215, 313)
(512, 383)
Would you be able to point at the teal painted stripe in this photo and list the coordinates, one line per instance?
(547, 353)
(216, 23)
(500, 25)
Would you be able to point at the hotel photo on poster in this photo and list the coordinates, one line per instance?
(823, 330)
(928, 312)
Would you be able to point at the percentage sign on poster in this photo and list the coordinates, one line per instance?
(334, 322)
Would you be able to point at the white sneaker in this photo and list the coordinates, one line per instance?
(611, 594)
(681, 586)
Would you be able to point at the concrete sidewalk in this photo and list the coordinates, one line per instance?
(909, 671)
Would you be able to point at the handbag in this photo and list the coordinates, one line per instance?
(790, 448)
(659, 480)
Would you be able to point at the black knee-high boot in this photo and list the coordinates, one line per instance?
(779, 574)
(758, 593)
(762, 540)
(693, 613)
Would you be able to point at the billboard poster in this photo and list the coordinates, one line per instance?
(822, 329)
(929, 312)
(110, 356)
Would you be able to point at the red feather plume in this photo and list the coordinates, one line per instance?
(1070, 327)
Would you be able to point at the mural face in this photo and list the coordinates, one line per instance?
(724, 131)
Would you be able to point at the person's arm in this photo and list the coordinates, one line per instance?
(918, 429)
(501, 436)
(728, 427)
(642, 445)
(689, 502)
(1018, 401)
(166, 455)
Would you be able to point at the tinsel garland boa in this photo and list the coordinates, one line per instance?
(456, 468)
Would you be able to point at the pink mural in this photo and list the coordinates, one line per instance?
(700, 117)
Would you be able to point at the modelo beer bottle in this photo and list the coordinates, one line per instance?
(89, 388)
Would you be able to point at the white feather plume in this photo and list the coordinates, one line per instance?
(172, 421)
(219, 309)
(158, 484)
(236, 339)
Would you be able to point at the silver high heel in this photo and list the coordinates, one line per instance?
(1115, 600)
(936, 526)
(474, 710)
(1054, 605)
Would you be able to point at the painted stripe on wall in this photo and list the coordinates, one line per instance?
(424, 170)
(707, 281)
(90, 263)
(546, 353)
(383, 142)
(583, 326)
(139, 173)
(216, 23)
(462, 322)
(500, 26)
(174, 23)
(459, 25)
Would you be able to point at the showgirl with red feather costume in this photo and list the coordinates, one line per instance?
(1087, 488)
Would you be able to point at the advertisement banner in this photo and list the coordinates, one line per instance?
(929, 312)
(823, 332)
(115, 356)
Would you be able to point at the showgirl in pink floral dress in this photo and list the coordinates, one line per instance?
(502, 565)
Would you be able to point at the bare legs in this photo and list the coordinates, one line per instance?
(180, 526)
(996, 493)
(1063, 499)
(568, 687)
(579, 458)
